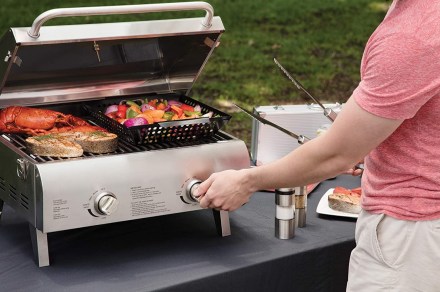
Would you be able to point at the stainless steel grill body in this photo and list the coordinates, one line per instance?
(60, 195)
(58, 67)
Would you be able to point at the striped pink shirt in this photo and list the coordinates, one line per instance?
(400, 79)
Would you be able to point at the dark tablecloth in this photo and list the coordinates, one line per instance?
(182, 252)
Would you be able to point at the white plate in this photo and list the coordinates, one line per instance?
(324, 209)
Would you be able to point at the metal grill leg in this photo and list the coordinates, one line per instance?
(221, 219)
(1, 208)
(40, 246)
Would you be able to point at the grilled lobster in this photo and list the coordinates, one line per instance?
(34, 121)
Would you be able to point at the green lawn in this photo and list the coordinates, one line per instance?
(319, 41)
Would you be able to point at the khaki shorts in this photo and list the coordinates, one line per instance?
(395, 255)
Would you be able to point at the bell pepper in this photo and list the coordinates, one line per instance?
(177, 110)
(132, 103)
(112, 115)
(132, 112)
(122, 107)
(156, 114)
(186, 107)
(161, 106)
(192, 114)
(153, 102)
(122, 111)
(168, 116)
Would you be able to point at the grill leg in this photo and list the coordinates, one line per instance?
(221, 219)
(40, 246)
(1, 208)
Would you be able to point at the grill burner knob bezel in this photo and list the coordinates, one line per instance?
(106, 203)
(192, 185)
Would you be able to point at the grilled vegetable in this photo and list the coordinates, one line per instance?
(151, 111)
(137, 121)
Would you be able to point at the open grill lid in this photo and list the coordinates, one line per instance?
(57, 64)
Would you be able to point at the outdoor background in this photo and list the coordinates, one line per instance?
(319, 41)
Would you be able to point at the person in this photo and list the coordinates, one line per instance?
(391, 119)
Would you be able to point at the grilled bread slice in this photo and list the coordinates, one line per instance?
(72, 144)
(345, 200)
(53, 145)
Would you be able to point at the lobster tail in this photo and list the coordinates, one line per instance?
(34, 121)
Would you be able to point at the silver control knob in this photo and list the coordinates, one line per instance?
(106, 203)
(191, 187)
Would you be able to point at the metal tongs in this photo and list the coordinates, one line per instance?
(328, 112)
(300, 138)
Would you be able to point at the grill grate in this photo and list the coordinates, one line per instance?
(123, 147)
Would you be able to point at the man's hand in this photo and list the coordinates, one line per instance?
(357, 170)
(227, 190)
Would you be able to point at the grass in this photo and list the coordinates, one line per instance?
(319, 41)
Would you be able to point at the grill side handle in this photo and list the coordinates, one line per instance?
(34, 31)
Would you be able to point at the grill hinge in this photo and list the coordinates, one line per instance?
(8, 56)
(22, 168)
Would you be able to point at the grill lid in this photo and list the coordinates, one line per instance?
(57, 64)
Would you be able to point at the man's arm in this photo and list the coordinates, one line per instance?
(352, 136)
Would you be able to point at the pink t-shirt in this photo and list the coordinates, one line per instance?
(400, 79)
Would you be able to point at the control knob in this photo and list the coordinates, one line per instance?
(191, 187)
(106, 203)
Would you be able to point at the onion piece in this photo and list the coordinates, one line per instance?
(198, 108)
(208, 115)
(138, 121)
(174, 102)
(146, 106)
(111, 109)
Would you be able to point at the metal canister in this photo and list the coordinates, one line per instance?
(285, 213)
(300, 206)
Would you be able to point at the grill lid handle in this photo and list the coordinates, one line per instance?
(34, 31)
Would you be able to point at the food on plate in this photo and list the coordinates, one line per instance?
(141, 112)
(72, 143)
(35, 121)
(345, 200)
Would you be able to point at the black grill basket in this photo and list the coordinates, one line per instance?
(168, 131)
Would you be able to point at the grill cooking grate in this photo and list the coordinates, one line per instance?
(123, 146)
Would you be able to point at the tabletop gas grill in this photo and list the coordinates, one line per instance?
(76, 68)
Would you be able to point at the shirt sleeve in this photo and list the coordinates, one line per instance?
(399, 74)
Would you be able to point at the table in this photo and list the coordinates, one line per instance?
(182, 252)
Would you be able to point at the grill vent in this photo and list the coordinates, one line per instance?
(20, 198)
(24, 201)
(2, 185)
(13, 193)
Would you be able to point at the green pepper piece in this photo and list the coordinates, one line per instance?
(190, 113)
(168, 116)
(131, 113)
